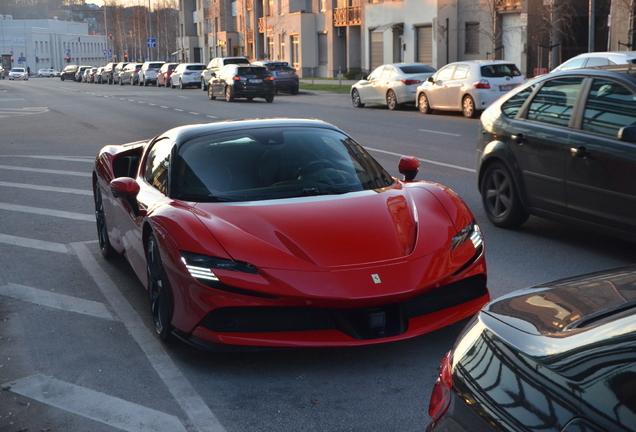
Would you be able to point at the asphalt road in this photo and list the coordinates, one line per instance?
(77, 351)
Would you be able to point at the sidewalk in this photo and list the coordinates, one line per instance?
(329, 81)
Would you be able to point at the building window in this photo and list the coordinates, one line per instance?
(295, 54)
(323, 5)
(270, 47)
(281, 47)
(472, 38)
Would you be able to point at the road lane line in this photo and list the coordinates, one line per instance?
(56, 300)
(88, 159)
(46, 188)
(46, 171)
(95, 405)
(457, 167)
(33, 244)
(178, 385)
(438, 132)
(47, 212)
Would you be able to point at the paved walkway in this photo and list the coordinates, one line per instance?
(344, 82)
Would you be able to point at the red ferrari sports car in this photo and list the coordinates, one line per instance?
(286, 233)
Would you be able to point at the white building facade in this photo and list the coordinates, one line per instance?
(42, 44)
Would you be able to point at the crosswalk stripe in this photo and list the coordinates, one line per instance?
(46, 188)
(33, 244)
(46, 171)
(47, 212)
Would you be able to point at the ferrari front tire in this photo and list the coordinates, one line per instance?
(102, 230)
(161, 300)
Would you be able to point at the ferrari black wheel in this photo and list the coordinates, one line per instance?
(102, 230)
(161, 301)
(500, 198)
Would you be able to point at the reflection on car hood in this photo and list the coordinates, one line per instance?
(571, 306)
(330, 231)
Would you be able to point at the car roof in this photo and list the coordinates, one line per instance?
(184, 133)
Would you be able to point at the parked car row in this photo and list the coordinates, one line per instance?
(229, 77)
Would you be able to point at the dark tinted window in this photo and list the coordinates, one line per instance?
(158, 164)
(273, 163)
(252, 70)
(195, 67)
(235, 61)
(554, 101)
(413, 69)
(609, 107)
(155, 65)
(500, 70)
(511, 107)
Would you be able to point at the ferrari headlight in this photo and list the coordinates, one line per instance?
(471, 232)
(201, 266)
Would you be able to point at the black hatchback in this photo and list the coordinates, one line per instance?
(237, 81)
(563, 147)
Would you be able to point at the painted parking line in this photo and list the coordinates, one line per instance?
(46, 188)
(46, 171)
(438, 132)
(47, 212)
(87, 159)
(95, 405)
(186, 396)
(56, 300)
(428, 161)
(33, 243)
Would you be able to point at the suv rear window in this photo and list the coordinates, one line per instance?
(416, 69)
(235, 61)
(252, 70)
(195, 67)
(500, 71)
(155, 65)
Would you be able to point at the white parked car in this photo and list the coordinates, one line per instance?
(18, 73)
(148, 73)
(49, 73)
(468, 86)
(187, 75)
(390, 84)
(593, 59)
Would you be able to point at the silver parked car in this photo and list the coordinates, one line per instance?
(129, 75)
(595, 59)
(468, 86)
(18, 73)
(390, 84)
(187, 75)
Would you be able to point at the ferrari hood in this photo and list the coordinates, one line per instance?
(330, 231)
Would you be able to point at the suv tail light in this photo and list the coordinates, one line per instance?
(482, 84)
(411, 81)
(441, 396)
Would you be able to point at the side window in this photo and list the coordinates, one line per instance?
(597, 61)
(511, 107)
(388, 72)
(609, 107)
(461, 72)
(158, 164)
(554, 101)
(573, 64)
(376, 73)
(445, 74)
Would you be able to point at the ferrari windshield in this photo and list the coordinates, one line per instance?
(273, 163)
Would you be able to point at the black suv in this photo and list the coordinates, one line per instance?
(563, 147)
(285, 76)
(236, 81)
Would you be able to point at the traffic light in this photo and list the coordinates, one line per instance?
(68, 59)
(110, 36)
(37, 59)
(125, 57)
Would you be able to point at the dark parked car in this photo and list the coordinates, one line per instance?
(285, 76)
(563, 147)
(68, 73)
(236, 81)
(558, 357)
(215, 66)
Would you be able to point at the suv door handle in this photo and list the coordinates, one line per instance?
(581, 152)
(519, 138)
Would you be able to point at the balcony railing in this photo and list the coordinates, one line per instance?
(261, 25)
(505, 6)
(346, 16)
(249, 35)
(208, 13)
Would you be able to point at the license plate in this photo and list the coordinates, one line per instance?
(283, 74)
(507, 87)
(256, 81)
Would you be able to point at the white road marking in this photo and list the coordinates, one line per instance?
(194, 113)
(165, 107)
(34, 244)
(88, 159)
(95, 405)
(177, 109)
(46, 188)
(438, 132)
(15, 112)
(47, 212)
(215, 117)
(185, 395)
(46, 171)
(56, 300)
(457, 167)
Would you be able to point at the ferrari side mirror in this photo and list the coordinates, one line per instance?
(127, 189)
(409, 167)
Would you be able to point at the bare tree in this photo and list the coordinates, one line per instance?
(556, 20)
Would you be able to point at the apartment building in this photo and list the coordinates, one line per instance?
(324, 38)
